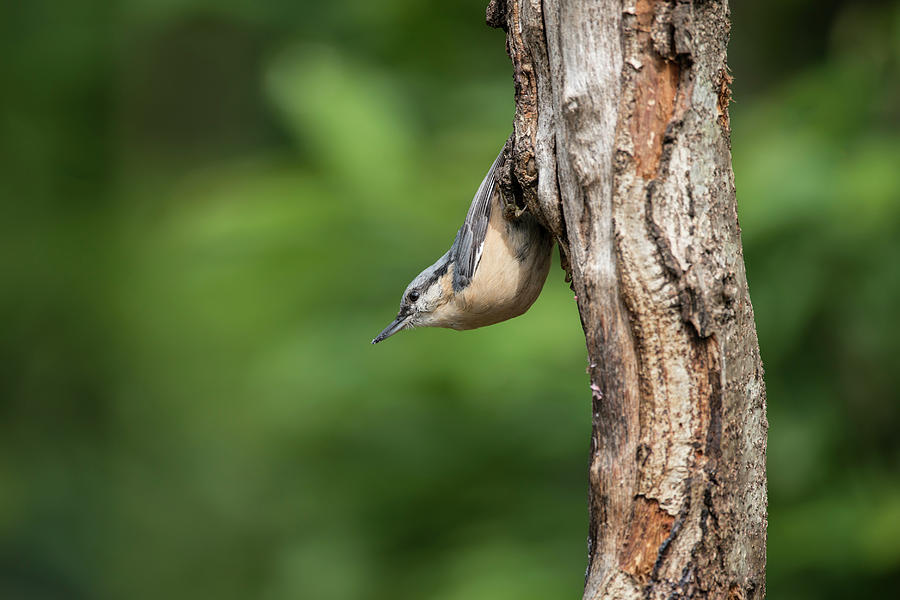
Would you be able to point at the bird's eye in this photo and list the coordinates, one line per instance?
(412, 296)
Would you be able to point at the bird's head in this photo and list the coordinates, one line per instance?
(423, 300)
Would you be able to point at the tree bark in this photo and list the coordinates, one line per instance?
(621, 147)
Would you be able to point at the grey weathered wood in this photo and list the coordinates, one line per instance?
(621, 146)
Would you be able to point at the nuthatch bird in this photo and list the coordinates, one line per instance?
(494, 270)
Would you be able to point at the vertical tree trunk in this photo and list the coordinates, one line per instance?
(621, 146)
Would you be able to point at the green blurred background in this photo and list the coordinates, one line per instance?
(210, 207)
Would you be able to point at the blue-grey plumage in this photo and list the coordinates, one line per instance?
(494, 270)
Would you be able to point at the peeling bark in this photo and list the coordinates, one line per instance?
(621, 147)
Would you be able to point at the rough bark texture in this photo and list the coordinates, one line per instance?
(621, 146)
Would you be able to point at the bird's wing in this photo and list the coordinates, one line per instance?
(469, 243)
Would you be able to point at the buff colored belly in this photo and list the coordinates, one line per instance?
(503, 286)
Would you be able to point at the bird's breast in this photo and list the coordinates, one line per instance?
(512, 270)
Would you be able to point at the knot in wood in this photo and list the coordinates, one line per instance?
(495, 15)
(572, 106)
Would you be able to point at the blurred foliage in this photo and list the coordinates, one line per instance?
(208, 210)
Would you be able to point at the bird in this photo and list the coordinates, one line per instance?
(494, 270)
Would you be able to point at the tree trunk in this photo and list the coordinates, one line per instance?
(621, 146)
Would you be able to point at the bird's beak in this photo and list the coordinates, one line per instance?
(391, 329)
